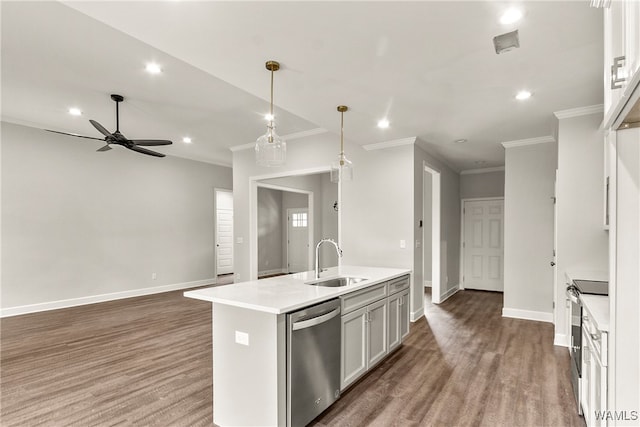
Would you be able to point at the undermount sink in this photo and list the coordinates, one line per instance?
(335, 282)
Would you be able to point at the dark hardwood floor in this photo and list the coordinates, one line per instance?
(147, 362)
(465, 365)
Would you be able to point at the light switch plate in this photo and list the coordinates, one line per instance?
(403, 244)
(239, 240)
(242, 338)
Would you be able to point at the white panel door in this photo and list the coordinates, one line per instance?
(298, 240)
(224, 232)
(483, 245)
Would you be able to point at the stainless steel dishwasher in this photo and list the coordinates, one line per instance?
(313, 361)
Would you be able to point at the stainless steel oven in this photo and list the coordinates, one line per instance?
(573, 292)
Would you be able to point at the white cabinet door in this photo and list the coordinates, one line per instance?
(377, 332)
(354, 346)
(393, 330)
(632, 37)
(404, 315)
(585, 384)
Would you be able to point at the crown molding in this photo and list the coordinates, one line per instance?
(288, 137)
(482, 170)
(580, 111)
(529, 141)
(389, 144)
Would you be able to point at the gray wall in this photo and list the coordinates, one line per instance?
(449, 224)
(270, 230)
(77, 223)
(485, 184)
(528, 229)
(582, 241)
(377, 206)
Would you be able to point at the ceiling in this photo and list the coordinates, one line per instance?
(430, 67)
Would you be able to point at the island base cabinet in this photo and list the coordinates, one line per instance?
(364, 341)
(354, 346)
(398, 307)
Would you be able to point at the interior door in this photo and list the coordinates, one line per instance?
(298, 240)
(224, 232)
(483, 244)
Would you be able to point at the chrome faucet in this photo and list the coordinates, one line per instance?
(338, 251)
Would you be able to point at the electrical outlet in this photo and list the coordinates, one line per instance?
(242, 338)
(154, 276)
(239, 240)
(417, 243)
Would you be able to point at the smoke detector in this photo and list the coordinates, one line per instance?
(506, 42)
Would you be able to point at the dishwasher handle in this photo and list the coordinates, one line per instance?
(303, 324)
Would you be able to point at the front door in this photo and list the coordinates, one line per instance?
(483, 244)
(297, 240)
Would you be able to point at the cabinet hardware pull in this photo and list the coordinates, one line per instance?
(595, 337)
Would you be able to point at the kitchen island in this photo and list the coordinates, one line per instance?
(249, 335)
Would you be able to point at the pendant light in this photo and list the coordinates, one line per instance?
(342, 170)
(271, 150)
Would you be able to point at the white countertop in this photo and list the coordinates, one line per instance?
(598, 308)
(282, 294)
(597, 275)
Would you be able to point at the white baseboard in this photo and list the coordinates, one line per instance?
(427, 283)
(561, 340)
(73, 302)
(416, 315)
(449, 294)
(274, 271)
(540, 316)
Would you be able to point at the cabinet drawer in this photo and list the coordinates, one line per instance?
(355, 300)
(398, 284)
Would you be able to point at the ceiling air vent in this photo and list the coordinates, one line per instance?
(506, 42)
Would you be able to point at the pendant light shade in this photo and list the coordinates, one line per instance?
(271, 150)
(342, 170)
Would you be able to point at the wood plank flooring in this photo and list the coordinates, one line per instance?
(147, 362)
(465, 365)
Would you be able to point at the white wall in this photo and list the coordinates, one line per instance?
(449, 225)
(528, 231)
(271, 218)
(485, 184)
(582, 240)
(77, 223)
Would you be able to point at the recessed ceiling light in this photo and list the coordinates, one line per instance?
(523, 94)
(383, 124)
(269, 117)
(75, 111)
(153, 68)
(460, 141)
(510, 16)
(186, 140)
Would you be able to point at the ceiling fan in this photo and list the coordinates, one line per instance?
(119, 139)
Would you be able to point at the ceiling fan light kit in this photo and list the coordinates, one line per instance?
(119, 139)
(271, 149)
(342, 170)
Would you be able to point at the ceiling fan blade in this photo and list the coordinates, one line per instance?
(105, 148)
(74, 134)
(144, 151)
(100, 128)
(149, 142)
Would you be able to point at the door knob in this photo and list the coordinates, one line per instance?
(552, 263)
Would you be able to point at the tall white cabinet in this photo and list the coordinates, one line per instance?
(622, 118)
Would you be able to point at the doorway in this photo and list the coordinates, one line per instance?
(224, 231)
(483, 244)
(431, 253)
